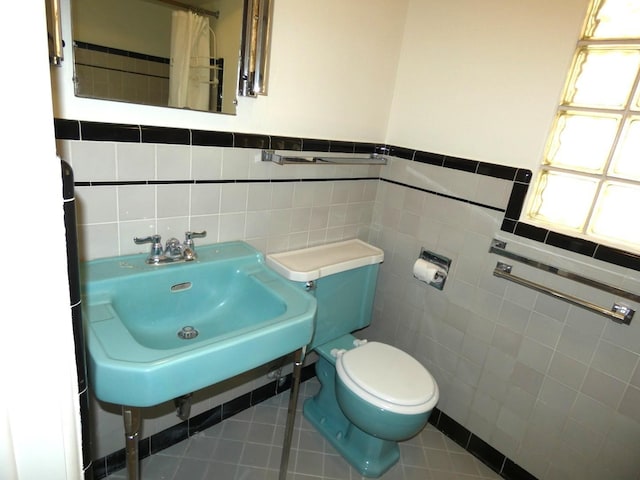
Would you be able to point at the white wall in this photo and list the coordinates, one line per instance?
(481, 80)
(457, 78)
(39, 419)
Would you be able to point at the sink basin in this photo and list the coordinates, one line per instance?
(155, 333)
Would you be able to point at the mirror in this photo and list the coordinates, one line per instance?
(182, 54)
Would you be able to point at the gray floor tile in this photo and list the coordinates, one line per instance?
(249, 446)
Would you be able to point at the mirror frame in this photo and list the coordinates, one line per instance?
(255, 48)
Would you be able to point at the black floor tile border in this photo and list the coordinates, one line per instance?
(157, 442)
(66, 129)
(480, 449)
(102, 467)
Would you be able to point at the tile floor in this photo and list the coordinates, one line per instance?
(248, 447)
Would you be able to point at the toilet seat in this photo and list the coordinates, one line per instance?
(388, 378)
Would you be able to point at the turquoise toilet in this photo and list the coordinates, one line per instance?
(372, 395)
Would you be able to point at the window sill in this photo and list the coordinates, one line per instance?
(573, 244)
(512, 224)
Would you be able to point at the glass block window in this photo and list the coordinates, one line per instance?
(588, 184)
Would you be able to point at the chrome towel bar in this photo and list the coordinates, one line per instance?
(372, 159)
(618, 313)
(499, 247)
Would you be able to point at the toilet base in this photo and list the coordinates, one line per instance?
(370, 455)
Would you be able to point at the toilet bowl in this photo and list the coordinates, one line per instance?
(372, 395)
(384, 391)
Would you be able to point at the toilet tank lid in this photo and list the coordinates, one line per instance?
(311, 263)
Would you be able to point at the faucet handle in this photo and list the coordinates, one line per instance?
(189, 236)
(150, 239)
(156, 247)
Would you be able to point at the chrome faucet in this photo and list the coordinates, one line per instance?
(173, 251)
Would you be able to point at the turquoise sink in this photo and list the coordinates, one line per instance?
(155, 333)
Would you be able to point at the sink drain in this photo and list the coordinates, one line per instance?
(187, 333)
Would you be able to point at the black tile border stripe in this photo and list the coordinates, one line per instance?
(207, 138)
(117, 51)
(280, 180)
(116, 132)
(66, 129)
(512, 224)
(438, 194)
(123, 183)
(108, 132)
(175, 136)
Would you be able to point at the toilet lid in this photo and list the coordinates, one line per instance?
(388, 377)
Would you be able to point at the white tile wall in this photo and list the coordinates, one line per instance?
(271, 216)
(120, 81)
(552, 386)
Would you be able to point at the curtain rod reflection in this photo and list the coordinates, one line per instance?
(185, 6)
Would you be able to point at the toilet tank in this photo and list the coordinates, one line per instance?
(344, 276)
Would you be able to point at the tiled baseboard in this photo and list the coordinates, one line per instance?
(155, 443)
(478, 447)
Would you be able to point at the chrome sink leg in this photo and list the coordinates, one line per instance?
(291, 412)
(132, 422)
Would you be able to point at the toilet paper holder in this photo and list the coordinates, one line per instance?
(443, 264)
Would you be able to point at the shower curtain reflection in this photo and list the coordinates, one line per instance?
(190, 61)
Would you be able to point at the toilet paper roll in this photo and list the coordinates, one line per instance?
(426, 271)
